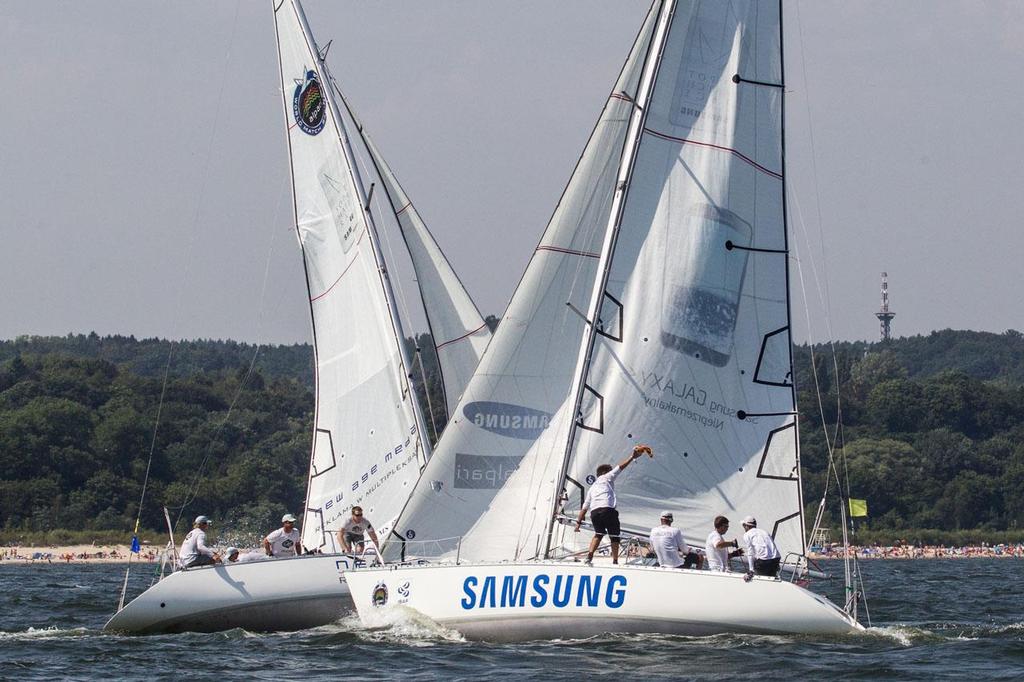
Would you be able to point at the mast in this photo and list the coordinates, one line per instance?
(639, 115)
(374, 239)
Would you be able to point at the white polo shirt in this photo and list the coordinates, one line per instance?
(602, 493)
(668, 543)
(759, 546)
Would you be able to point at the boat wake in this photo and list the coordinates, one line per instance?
(37, 634)
(402, 625)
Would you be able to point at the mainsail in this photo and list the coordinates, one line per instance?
(697, 361)
(368, 445)
(507, 418)
(673, 230)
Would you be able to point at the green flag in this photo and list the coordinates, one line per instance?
(858, 507)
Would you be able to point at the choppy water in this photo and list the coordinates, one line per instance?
(931, 619)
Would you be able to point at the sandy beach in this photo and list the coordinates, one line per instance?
(92, 554)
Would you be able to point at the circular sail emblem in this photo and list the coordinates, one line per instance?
(380, 595)
(309, 105)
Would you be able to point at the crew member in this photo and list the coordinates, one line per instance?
(194, 551)
(762, 553)
(668, 543)
(601, 501)
(717, 547)
(351, 537)
(283, 542)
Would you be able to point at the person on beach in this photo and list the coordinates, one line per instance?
(601, 503)
(352, 536)
(194, 551)
(716, 549)
(670, 547)
(285, 541)
(762, 554)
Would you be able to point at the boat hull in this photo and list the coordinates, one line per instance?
(550, 600)
(260, 596)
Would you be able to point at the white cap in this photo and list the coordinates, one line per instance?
(230, 551)
(667, 515)
(749, 521)
(287, 517)
(201, 519)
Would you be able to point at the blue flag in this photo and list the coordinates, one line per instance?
(135, 544)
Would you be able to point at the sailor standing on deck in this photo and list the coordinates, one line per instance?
(194, 551)
(601, 501)
(284, 541)
(762, 553)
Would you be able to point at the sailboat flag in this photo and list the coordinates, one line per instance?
(858, 507)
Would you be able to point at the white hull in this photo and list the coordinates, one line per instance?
(272, 595)
(505, 602)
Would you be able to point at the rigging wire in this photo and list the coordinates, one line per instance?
(184, 278)
(824, 298)
(250, 370)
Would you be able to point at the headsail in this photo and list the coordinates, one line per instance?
(459, 332)
(507, 419)
(695, 296)
(367, 446)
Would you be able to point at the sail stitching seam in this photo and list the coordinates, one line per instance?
(734, 152)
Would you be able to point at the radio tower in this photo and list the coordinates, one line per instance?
(883, 315)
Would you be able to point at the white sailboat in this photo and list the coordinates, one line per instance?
(369, 442)
(678, 204)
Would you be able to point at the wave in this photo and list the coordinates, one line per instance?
(399, 624)
(36, 634)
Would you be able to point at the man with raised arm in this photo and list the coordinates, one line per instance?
(601, 503)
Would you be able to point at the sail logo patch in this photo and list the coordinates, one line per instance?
(309, 106)
(518, 591)
(505, 419)
(380, 595)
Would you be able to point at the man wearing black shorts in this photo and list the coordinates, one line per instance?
(601, 503)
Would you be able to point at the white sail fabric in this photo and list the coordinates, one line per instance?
(366, 448)
(459, 333)
(505, 433)
(698, 286)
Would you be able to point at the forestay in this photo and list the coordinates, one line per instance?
(367, 448)
(459, 332)
(506, 433)
(695, 303)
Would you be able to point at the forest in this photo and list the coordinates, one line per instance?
(932, 431)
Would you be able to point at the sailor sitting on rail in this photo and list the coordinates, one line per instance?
(194, 551)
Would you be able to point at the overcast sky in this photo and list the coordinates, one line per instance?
(143, 167)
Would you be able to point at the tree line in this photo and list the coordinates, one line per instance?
(932, 430)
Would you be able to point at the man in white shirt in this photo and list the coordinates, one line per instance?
(284, 541)
(762, 554)
(194, 551)
(601, 503)
(351, 537)
(668, 543)
(716, 549)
